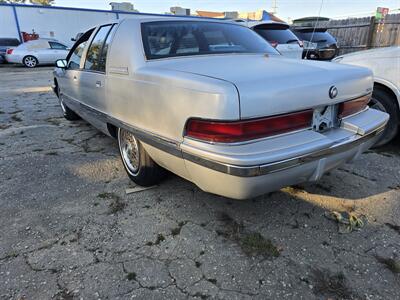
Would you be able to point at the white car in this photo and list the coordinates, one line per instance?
(279, 36)
(385, 64)
(41, 51)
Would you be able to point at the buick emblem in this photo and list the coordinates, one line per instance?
(333, 92)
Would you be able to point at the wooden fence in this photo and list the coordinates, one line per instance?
(356, 34)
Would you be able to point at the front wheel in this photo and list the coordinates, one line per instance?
(138, 164)
(30, 61)
(383, 101)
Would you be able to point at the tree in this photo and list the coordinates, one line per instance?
(38, 2)
(12, 1)
(43, 2)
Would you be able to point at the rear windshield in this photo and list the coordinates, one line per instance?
(277, 35)
(183, 38)
(9, 42)
(317, 37)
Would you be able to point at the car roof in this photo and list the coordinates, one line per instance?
(267, 23)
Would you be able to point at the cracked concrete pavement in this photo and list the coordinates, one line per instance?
(69, 231)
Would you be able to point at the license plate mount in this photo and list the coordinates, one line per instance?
(325, 118)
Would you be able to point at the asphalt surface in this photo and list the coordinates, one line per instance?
(68, 230)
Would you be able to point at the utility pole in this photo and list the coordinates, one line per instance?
(274, 7)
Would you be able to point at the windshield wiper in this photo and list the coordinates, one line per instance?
(291, 41)
(320, 41)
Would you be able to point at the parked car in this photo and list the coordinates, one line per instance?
(7, 43)
(216, 104)
(279, 36)
(385, 64)
(319, 44)
(41, 51)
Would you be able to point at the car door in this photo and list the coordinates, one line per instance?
(68, 79)
(92, 80)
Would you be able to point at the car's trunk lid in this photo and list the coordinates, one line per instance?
(270, 85)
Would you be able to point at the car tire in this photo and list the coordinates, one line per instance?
(30, 61)
(68, 114)
(383, 101)
(139, 166)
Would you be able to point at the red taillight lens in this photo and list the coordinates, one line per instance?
(353, 106)
(9, 51)
(238, 131)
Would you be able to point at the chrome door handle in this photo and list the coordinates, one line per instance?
(98, 83)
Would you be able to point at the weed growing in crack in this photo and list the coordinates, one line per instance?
(252, 243)
(328, 284)
(255, 244)
(131, 276)
(160, 238)
(212, 280)
(177, 230)
(116, 205)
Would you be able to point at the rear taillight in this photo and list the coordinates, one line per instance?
(274, 44)
(353, 106)
(239, 131)
(9, 51)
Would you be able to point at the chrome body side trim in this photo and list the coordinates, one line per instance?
(173, 148)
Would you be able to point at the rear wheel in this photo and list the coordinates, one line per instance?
(30, 61)
(138, 164)
(383, 101)
(67, 112)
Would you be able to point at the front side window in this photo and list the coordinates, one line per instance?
(182, 38)
(55, 45)
(75, 55)
(94, 53)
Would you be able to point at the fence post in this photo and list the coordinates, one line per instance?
(371, 31)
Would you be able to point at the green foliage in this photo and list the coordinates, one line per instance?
(38, 2)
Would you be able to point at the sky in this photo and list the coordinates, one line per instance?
(286, 8)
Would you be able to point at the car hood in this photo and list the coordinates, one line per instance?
(269, 85)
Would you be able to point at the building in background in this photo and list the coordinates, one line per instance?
(123, 6)
(180, 11)
(61, 23)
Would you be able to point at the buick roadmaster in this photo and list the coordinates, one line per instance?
(216, 104)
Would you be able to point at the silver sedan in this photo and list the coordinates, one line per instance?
(41, 51)
(214, 103)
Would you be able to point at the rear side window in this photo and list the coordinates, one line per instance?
(316, 37)
(96, 58)
(277, 35)
(54, 45)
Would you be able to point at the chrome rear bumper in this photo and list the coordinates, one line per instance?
(250, 171)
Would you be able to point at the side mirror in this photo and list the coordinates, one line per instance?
(61, 63)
